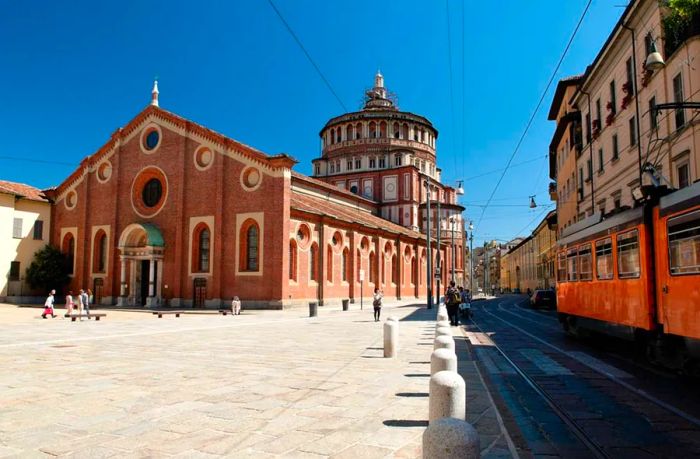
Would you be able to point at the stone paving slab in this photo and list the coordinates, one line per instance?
(263, 384)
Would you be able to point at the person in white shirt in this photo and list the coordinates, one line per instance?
(48, 305)
(236, 306)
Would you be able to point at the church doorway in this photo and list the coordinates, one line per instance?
(141, 251)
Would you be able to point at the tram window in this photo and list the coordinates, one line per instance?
(628, 255)
(604, 259)
(561, 267)
(585, 263)
(684, 243)
(571, 265)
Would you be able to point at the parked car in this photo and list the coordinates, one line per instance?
(543, 299)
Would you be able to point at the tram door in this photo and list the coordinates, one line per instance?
(97, 287)
(200, 292)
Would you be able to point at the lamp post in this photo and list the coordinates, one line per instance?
(471, 257)
(459, 191)
(438, 268)
(429, 274)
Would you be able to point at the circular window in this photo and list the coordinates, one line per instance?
(203, 158)
(353, 189)
(152, 140)
(104, 171)
(152, 192)
(337, 240)
(71, 199)
(250, 178)
(149, 191)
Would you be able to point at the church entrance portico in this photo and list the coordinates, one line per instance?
(141, 250)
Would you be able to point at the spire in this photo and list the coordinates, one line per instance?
(379, 80)
(154, 93)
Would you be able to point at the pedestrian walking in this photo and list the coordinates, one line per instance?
(452, 300)
(86, 301)
(466, 305)
(377, 303)
(48, 305)
(90, 297)
(236, 306)
(70, 305)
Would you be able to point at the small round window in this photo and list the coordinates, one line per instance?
(152, 139)
(152, 192)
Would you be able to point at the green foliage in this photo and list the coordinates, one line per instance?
(48, 270)
(680, 23)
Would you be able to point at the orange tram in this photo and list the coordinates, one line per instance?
(636, 275)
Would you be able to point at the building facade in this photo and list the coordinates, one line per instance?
(169, 212)
(25, 219)
(627, 142)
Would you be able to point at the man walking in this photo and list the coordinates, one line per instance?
(85, 302)
(452, 300)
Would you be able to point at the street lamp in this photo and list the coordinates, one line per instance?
(654, 60)
(471, 256)
(429, 274)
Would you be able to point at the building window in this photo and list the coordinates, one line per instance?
(293, 260)
(203, 245)
(152, 139)
(344, 265)
(653, 121)
(100, 251)
(590, 170)
(683, 175)
(397, 160)
(249, 246)
(358, 164)
(382, 163)
(615, 148)
(580, 184)
(571, 265)
(628, 255)
(313, 263)
(349, 164)
(633, 132)
(317, 169)
(684, 243)
(598, 115)
(394, 270)
(604, 259)
(630, 76)
(678, 97)
(616, 202)
(600, 160)
(152, 192)
(332, 168)
(588, 128)
(38, 230)
(68, 248)
(372, 163)
(648, 40)
(613, 98)
(17, 228)
(358, 130)
(329, 264)
(372, 130)
(14, 270)
(404, 131)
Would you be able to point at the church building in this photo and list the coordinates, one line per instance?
(171, 213)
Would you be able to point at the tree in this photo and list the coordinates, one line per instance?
(48, 270)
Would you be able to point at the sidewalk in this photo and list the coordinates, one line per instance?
(264, 384)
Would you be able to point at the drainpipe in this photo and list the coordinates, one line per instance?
(590, 146)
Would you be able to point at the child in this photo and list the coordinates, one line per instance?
(377, 303)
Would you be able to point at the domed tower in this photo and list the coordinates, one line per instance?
(383, 154)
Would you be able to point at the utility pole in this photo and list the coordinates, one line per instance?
(429, 274)
(438, 268)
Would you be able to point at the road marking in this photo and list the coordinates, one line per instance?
(599, 365)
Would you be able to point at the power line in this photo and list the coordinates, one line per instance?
(38, 161)
(308, 56)
(539, 104)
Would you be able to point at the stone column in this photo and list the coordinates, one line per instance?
(151, 277)
(122, 300)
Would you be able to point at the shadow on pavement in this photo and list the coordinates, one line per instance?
(405, 423)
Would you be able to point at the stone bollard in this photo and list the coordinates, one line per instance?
(313, 309)
(391, 337)
(443, 323)
(443, 331)
(450, 438)
(443, 359)
(447, 396)
(444, 341)
(346, 304)
(442, 315)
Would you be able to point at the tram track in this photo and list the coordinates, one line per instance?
(574, 426)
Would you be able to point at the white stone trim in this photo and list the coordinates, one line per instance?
(211, 160)
(247, 170)
(165, 197)
(147, 128)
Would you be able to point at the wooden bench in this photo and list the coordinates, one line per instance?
(160, 313)
(95, 315)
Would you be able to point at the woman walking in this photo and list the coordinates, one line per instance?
(377, 303)
(70, 305)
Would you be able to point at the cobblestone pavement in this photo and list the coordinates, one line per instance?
(263, 384)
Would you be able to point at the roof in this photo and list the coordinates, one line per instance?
(280, 160)
(348, 214)
(23, 191)
(559, 94)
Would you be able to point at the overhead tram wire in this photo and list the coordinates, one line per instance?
(308, 56)
(537, 108)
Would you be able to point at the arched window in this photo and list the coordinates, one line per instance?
(339, 134)
(332, 136)
(372, 130)
(293, 260)
(404, 131)
(329, 264)
(415, 133)
(358, 130)
(394, 270)
(313, 263)
(344, 265)
(397, 131)
(372, 268)
(68, 248)
(359, 263)
(99, 250)
(249, 244)
(349, 135)
(414, 270)
(382, 129)
(201, 248)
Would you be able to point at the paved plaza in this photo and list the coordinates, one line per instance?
(263, 384)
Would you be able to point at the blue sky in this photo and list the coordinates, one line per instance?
(73, 72)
